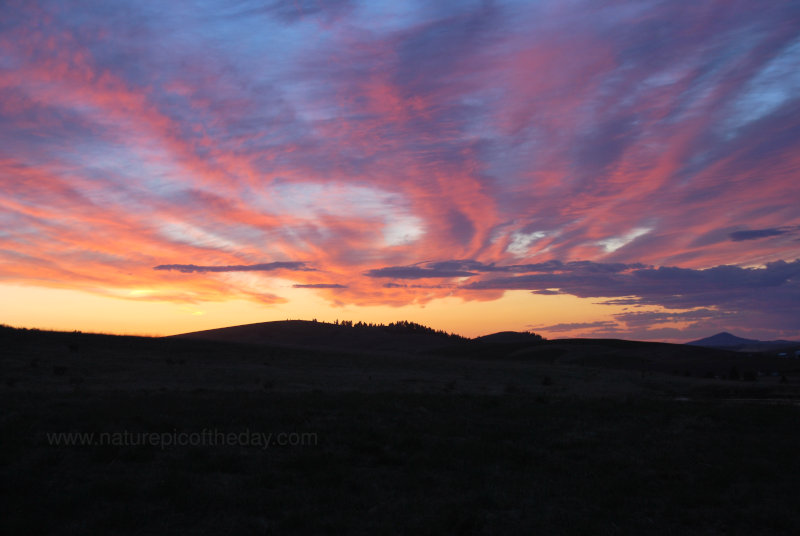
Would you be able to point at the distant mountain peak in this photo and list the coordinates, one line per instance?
(729, 341)
(723, 339)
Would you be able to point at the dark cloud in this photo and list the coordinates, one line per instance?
(755, 234)
(467, 268)
(465, 265)
(268, 267)
(577, 266)
(415, 272)
(766, 297)
(597, 280)
(319, 285)
(397, 285)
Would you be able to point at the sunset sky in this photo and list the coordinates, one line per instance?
(625, 169)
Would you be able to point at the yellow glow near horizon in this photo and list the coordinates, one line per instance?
(68, 310)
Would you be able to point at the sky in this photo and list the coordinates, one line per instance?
(626, 169)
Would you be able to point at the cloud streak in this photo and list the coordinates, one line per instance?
(416, 272)
(755, 234)
(319, 285)
(680, 287)
(469, 268)
(264, 267)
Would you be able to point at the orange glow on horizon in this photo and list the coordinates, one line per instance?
(69, 310)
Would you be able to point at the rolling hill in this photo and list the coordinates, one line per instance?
(399, 337)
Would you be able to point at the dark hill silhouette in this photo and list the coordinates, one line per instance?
(330, 350)
(508, 337)
(407, 338)
(397, 337)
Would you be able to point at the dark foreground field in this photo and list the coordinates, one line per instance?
(414, 444)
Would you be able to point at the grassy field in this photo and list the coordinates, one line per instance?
(400, 445)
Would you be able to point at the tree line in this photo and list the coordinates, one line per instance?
(399, 326)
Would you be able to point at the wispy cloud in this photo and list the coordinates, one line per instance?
(468, 268)
(319, 285)
(416, 272)
(267, 267)
(755, 234)
(667, 286)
